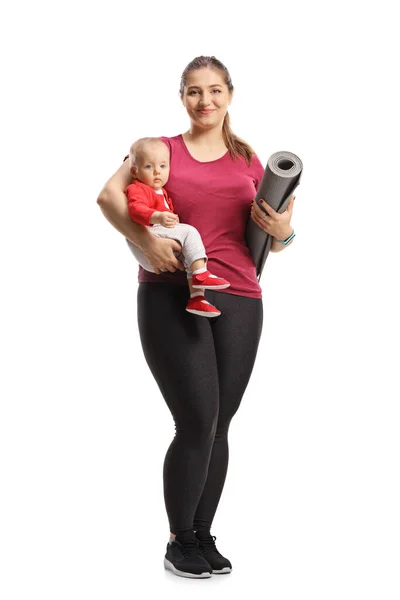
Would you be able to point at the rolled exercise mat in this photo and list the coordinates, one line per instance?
(281, 177)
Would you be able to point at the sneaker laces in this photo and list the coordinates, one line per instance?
(189, 547)
(208, 544)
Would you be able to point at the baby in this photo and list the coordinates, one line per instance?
(149, 205)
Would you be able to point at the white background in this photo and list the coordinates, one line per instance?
(310, 504)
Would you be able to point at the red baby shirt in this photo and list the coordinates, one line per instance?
(143, 201)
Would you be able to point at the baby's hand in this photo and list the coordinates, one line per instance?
(168, 219)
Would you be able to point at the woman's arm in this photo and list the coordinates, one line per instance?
(277, 247)
(114, 206)
(273, 223)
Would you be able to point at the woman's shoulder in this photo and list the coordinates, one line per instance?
(254, 168)
(255, 162)
(171, 141)
(252, 165)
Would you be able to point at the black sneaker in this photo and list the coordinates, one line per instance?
(208, 550)
(183, 559)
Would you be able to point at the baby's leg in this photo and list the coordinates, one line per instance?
(195, 259)
(200, 278)
(193, 251)
(192, 248)
(198, 264)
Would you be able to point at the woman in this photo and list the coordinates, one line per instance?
(213, 179)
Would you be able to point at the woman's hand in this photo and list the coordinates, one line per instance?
(275, 224)
(160, 254)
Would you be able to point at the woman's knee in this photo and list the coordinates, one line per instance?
(221, 431)
(198, 432)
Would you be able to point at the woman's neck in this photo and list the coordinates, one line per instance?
(205, 146)
(201, 137)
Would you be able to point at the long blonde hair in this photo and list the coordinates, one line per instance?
(236, 146)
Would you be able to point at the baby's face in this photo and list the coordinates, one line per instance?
(152, 165)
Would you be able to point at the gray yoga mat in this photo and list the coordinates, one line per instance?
(281, 177)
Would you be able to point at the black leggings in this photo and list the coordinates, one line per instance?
(202, 367)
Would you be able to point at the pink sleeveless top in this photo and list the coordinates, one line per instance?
(215, 197)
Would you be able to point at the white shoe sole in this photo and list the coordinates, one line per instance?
(211, 287)
(170, 567)
(202, 314)
(222, 571)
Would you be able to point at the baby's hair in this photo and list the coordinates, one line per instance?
(138, 146)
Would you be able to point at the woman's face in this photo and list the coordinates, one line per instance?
(206, 98)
